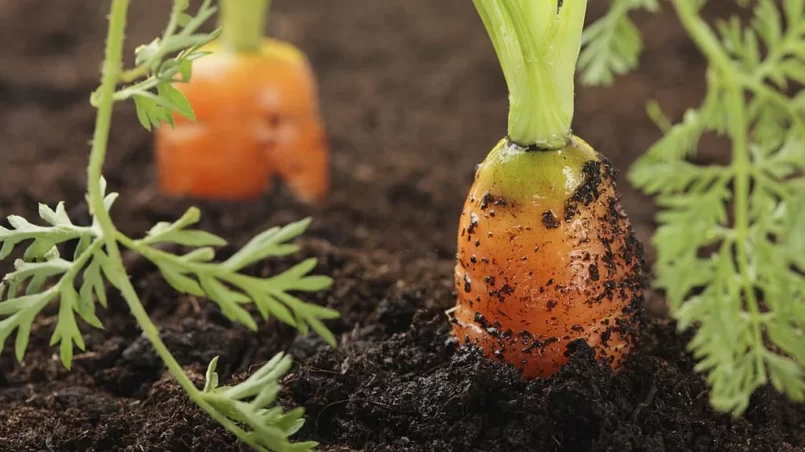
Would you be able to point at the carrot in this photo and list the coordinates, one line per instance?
(257, 115)
(546, 254)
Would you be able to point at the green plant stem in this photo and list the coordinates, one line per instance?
(82, 259)
(156, 255)
(112, 67)
(538, 44)
(135, 73)
(743, 175)
(243, 24)
(741, 162)
(143, 69)
(152, 333)
(773, 96)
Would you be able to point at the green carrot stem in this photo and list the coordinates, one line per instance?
(537, 43)
(243, 23)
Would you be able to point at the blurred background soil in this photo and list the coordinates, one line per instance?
(413, 98)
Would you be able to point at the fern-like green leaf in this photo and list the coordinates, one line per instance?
(46, 276)
(155, 99)
(746, 301)
(271, 243)
(612, 45)
(224, 283)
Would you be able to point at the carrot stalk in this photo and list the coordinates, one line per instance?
(546, 254)
(537, 43)
(242, 24)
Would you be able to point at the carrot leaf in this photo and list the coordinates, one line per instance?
(155, 99)
(729, 238)
(195, 273)
(612, 45)
(41, 275)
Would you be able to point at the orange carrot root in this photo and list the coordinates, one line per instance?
(546, 256)
(256, 115)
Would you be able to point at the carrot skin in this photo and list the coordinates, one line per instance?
(546, 256)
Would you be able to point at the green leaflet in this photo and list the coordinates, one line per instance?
(795, 224)
(178, 234)
(250, 402)
(43, 238)
(224, 283)
(270, 243)
(19, 315)
(67, 332)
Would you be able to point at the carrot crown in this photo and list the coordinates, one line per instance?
(243, 24)
(537, 43)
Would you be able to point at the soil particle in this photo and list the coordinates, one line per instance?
(549, 220)
(594, 273)
(486, 200)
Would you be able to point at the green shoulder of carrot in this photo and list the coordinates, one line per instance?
(731, 237)
(185, 256)
(256, 117)
(546, 254)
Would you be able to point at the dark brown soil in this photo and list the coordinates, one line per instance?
(414, 98)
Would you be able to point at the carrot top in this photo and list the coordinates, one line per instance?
(537, 43)
(513, 173)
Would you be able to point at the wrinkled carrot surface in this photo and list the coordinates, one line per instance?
(546, 256)
(257, 115)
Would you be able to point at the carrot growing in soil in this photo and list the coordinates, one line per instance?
(731, 237)
(546, 254)
(79, 282)
(257, 115)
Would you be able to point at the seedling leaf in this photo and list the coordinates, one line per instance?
(729, 242)
(42, 275)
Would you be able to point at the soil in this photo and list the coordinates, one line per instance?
(414, 99)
